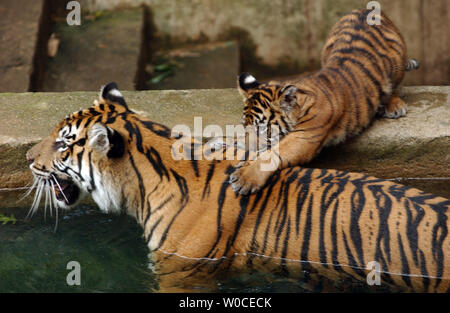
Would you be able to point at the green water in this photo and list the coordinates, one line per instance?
(110, 249)
(112, 254)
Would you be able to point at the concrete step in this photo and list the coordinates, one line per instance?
(205, 66)
(105, 47)
(414, 150)
(19, 25)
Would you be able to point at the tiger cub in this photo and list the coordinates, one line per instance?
(362, 66)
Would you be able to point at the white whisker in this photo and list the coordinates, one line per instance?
(55, 204)
(47, 193)
(37, 198)
(53, 198)
(29, 190)
(60, 189)
(56, 223)
(46, 187)
(34, 200)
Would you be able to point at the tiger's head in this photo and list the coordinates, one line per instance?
(66, 163)
(271, 103)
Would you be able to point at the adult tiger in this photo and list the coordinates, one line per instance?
(320, 221)
(362, 65)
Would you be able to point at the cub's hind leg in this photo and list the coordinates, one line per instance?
(394, 108)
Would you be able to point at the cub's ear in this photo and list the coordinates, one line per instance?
(246, 82)
(110, 94)
(288, 98)
(106, 140)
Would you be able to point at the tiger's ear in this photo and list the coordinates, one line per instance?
(106, 140)
(110, 94)
(288, 98)
(246, 82)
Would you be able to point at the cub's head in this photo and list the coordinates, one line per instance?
(66, 164)
(267, 103)
(274, 103)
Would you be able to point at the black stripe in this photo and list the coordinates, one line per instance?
(357, 203)
(355, 104)
(220, 202)
(424, 272)
(351, 259)
(184, 190)
(405, 266)
(140, 181)
(147, 216)
(209, 175)
(163, 203)
(254, 244)
(91, 174)
(284, 269)
(155, 160)
(334, 235)
(363, 69)
(150, 235)
(307, 234)
(411, 228)
(132, 131)
(440, 232)
(302, 195)
(80, 160)
(156, 128)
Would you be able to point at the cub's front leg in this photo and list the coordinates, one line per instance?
(250, 176)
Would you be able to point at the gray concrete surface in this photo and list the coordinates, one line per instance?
(414, 149)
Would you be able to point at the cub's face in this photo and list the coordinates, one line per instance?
(267, 104)
(67, 164)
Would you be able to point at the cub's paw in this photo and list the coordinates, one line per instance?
(395, 109)
(247, 178)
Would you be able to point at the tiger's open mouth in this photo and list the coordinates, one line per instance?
(66, 191)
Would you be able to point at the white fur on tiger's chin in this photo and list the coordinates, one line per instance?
(106, 198)
(105, 194)
(249, 80)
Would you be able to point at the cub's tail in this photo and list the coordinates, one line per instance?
(412, 64)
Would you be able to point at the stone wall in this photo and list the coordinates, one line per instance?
(289, 34)
(413, 150)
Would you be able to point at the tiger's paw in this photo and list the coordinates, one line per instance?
(395, 109)
(248, 178)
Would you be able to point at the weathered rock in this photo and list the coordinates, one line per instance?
(107, 47)
(288, 35)
(415, 148)
(206, 66)
(19, 25)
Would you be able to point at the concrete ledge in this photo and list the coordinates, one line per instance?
(414, 149)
